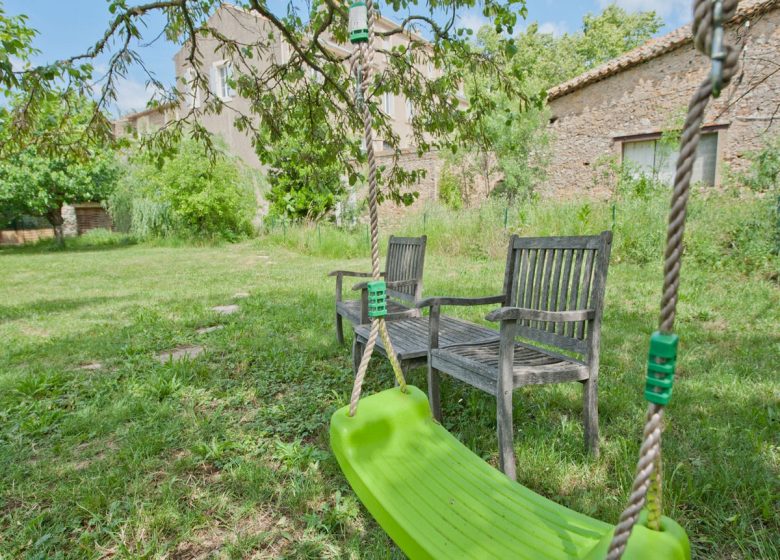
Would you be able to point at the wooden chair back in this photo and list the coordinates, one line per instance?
(405, 261)
(559, 274)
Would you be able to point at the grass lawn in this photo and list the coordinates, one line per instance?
(227, 454)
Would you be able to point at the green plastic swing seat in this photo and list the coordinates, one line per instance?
(436, 499)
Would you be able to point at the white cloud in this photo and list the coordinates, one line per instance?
(132, 95)
(674, 12)
(554, 28)
(473, 21)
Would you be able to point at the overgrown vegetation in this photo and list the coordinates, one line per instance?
(763, 177)
(185, 195)
(733, 230)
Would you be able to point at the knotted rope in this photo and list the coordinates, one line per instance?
(378, 326)
(707, 27)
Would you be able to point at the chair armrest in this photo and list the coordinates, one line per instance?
(462, 301)
(393, 284)
(521, 313)
(352, 274)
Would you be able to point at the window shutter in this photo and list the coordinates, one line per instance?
(213, 80)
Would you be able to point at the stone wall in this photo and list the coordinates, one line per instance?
(70, 226)
(588, 123)
(477, 186)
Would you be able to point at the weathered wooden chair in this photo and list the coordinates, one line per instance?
(553, 295)
(403, 275)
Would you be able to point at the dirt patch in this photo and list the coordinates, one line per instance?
(206, 542)
(241, 295)
(91, 366)
(225, 309)
(179, 353)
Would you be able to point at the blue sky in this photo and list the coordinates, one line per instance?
(70, 27)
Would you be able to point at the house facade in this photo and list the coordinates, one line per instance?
(623, 110)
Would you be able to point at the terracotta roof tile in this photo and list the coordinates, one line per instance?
(654, 48)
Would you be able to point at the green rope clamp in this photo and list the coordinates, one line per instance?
(661, 361)
(377, 298)
(358, 22)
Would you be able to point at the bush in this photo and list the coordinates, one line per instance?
(449, 189)
(763, 177)
(189, 195)
(304, 177)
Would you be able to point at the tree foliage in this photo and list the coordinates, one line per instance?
(304, 175)
(517, 132)
(279, 92)
(40, 178)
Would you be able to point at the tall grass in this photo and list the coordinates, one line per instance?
(723, 230)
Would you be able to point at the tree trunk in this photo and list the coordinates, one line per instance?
(54, 216)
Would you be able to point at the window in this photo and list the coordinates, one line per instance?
(223, 73)
(315, 76)
(191, 90)
(430, 70)
(409, 110)
(388, 103)
(143, 125)
(653, 158)
(284, 52)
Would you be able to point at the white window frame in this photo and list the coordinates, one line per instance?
(284, 52)
(192, 92)
(388, 103)
(671, 157)
(223, 72)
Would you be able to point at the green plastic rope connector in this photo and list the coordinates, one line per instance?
(661, 362)
(377, 298)
(358, 22)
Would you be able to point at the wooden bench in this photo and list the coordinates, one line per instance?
(553, 295)
(403, 274)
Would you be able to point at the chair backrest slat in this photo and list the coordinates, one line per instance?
(555, 287)
(558, 274)
(405, 261)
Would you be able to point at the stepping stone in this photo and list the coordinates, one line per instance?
(206, 330)
(225, 309)
(241, 295)
(179, 353)
(92, 366)
(263, 256)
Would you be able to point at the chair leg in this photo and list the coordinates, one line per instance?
(506, 443)
(357, 353)
(434, 391)
(590, 405)
(339, 329)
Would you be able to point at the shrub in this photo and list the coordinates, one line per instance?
(189, 195)
(449, 189)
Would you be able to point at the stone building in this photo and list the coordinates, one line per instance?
(621, 109)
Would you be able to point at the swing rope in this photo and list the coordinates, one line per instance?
(707, 27)
(378, 325)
